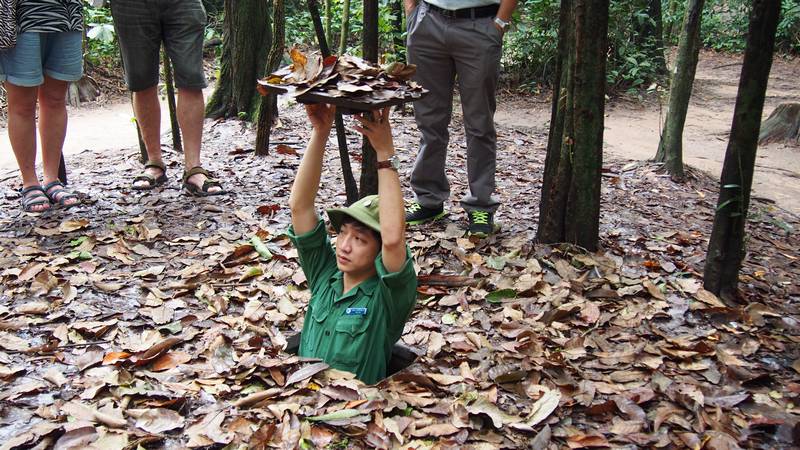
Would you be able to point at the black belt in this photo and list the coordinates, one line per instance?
(466, 13)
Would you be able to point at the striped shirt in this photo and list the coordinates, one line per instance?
(50, 16)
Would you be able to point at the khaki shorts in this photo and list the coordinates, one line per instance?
(142, 25)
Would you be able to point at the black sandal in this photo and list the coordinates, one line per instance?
(37, 197)
(208, 184)
(152, 182)
(60, 195)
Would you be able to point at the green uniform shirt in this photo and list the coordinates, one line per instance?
(353, 331)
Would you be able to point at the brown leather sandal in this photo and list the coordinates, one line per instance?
(201, 191)
(152, 182)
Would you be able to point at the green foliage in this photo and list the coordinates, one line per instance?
(101, 46)
(725, 24)
(787, 38)
(632, 54)
(101, 37)
(300, 28)
(529, 49)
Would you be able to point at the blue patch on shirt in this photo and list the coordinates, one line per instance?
(355, 312)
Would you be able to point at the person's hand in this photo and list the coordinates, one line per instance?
(375, 126)
(321, 115)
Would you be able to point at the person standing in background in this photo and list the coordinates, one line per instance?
(142, 26)
(37, 70)
(451, 40)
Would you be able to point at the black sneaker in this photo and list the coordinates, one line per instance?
(480, 223)
(417, 214)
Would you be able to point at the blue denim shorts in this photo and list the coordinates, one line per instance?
(57, 55)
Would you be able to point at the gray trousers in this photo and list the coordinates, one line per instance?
(444, 50)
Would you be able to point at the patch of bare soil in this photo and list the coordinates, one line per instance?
(633, 128)
(151, 319)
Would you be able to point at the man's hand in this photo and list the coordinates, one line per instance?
(499, 28)
(321, 115)
(375, 126)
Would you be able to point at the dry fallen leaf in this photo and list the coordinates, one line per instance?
(156, 420)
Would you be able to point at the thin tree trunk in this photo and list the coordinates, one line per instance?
(648, 34)
(62, 170)
(245, 44)
(557, 165)
(328, 20)
(726, 249)
(347, 172)
(345, 32)
(142, 148)
(397, 34)
(177, 144)
(570, 205)
(657, 44)
(670, 146)
(369, 161)
(675, 26)
(268, 109)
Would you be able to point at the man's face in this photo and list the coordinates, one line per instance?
(356, 249)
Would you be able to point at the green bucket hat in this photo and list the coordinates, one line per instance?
(364, 211)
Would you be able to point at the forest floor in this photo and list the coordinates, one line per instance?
(151, 319)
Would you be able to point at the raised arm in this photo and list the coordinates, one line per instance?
(306, 182)
(392, 214)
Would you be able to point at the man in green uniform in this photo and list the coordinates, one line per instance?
(362, 292)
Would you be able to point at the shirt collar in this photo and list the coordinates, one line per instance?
(366, 288)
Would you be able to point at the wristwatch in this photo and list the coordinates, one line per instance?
(502, 24)
(391, 163)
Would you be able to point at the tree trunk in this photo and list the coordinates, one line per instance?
(142, 147)
(674, 29)
(369, 160)
(726, 249)
(246, 41)
(347, 173)
(328, 19)
(345, 32)
(656, 46)
(62, 170)
(782, 125)
(670, 146)
(398, 43)
(570, 204)
(177, 144)
(648, 34)
(268, 107)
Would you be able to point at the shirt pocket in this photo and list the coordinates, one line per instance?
(312, 338)
(350, 340)
(319, 314)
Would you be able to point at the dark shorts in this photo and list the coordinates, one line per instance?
(142, 25)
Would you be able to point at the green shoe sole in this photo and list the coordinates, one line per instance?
(427, 219)
(482, 235)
